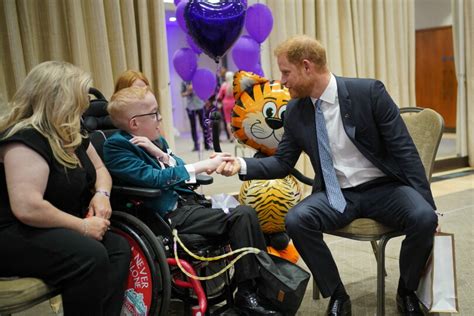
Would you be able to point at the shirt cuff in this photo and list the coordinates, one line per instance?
(192, 174)
(172, 161)
(243, 166)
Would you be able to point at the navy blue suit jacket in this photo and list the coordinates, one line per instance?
(372, 122)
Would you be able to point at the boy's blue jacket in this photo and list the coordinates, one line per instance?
(131, 165)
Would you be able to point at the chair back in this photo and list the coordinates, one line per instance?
(426, 128)
(96, 116)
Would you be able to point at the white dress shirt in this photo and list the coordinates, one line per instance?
(352, 168)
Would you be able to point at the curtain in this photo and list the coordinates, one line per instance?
(103, 37)
(363, 38)
(463, 28)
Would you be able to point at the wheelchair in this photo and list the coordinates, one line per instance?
(154, 274)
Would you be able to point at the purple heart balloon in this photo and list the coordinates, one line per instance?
(215, 26)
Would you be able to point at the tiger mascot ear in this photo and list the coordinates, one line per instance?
(258, 114)
(244, 80)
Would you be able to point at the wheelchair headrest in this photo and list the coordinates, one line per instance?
(96, 116)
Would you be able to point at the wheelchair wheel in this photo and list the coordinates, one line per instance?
(217, 289)
(148, 289)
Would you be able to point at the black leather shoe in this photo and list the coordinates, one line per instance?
(339, 307)
(249, 304)
(409, 305)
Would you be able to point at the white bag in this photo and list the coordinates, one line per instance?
(224, 201)
(437, 288)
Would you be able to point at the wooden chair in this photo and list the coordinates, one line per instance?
(19, 294)
(426, 128)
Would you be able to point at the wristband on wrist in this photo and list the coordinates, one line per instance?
(103, 192)
(85, 227)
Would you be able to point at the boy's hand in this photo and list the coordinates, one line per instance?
(148, 145)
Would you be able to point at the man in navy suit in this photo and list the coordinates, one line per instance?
(365, 162)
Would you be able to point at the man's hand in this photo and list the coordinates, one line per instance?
(229, 167)
(211, 164)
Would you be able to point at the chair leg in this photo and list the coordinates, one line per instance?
(375, 248)
(381, 276)
(316, 293)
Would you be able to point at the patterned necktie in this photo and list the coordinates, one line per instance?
(333, 190)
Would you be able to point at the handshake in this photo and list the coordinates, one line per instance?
(220, 163)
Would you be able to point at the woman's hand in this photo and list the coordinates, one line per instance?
(100, 206)
(148, 145)
(95, 227)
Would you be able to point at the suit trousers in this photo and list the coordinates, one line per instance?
(240, 226)
(388, 202)
(91, 274)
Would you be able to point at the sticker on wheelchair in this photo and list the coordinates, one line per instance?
(138, 292)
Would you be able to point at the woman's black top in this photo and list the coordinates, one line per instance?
(70, 190)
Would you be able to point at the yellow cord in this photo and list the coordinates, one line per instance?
(244, 251)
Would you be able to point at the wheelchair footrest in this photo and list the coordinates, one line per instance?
(192, 283)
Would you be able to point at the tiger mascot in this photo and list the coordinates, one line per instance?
(257, 121)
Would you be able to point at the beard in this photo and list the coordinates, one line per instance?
(302, 89)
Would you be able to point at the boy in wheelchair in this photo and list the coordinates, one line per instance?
(133, 159)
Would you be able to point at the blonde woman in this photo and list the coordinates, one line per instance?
(54, 195)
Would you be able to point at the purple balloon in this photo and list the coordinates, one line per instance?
(176, 2)
(215, 26)
(257, 69)
(185, 63)
(259, 22)
(180, 15)
(204, 83)
(193, 45)
(246, 53)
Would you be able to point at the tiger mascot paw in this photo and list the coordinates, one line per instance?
(289, 253)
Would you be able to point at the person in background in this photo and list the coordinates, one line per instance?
(226, 95)
(131, 78)
(54, 195)
(195, 109)
(365, 162)
(220, 81)
(133, 159)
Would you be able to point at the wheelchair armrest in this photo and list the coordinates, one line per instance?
(204, 179)
(136, 191)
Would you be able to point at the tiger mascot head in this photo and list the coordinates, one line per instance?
(259, 111)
